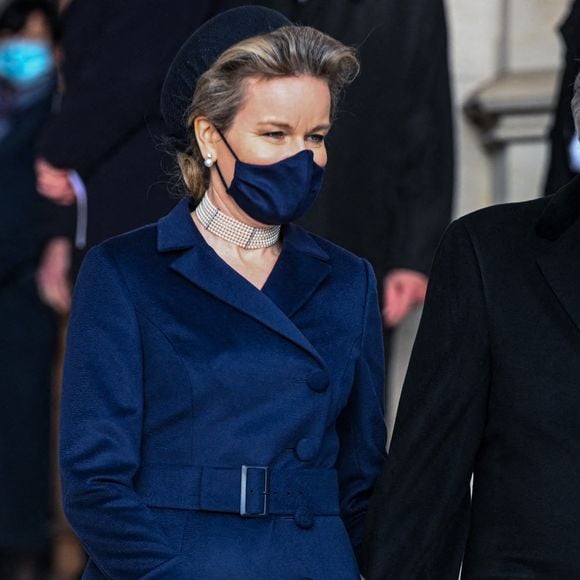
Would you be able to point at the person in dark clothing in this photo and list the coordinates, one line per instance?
(388, 187)
(492, 390)
(109, 129)
(564, 162)
(33, 284)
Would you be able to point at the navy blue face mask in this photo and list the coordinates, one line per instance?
(275, 194)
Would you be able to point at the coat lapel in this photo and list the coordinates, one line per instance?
(559, 260)
(301, 268)
(301, 258)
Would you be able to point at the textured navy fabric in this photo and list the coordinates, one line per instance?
(176, 365)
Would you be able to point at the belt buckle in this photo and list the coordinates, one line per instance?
(243, 492)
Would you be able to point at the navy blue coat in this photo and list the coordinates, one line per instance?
(179, 372)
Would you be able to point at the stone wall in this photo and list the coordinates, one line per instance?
(488, 39)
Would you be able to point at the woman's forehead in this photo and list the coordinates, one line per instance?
(286, 100)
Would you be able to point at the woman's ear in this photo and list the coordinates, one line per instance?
(206, 136)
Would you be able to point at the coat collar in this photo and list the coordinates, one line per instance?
(561, 212)
(299, 271)
(559, 259)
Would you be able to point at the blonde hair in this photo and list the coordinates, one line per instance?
(287, 51)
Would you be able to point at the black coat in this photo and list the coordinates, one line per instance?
(388, 185)
(109, 128)
(492, 389)
(28, 335)
(559, 171)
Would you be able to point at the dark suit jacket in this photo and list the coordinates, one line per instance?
(389, 181)
(178, 371)
(492, 390)
(109, 128)
(559, 171)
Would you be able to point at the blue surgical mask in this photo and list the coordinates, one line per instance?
(275, 194)
(25, 61)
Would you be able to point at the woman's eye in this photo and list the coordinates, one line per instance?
(316, 138)
(274, 134)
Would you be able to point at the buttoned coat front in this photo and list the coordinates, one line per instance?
(179, 372)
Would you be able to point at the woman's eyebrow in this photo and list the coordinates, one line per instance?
(279, 124)
(323, 127)
(282, 125)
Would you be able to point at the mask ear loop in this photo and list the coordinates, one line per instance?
(216, 164)
(227, 144)
(221, 176)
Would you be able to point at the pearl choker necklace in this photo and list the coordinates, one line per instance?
(233, 230)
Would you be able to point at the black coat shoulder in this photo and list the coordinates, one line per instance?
(504, 221)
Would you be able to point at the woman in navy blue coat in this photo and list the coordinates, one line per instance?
(222, 413)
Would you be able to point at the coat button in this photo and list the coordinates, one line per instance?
(318, 381)
(306, 449)
(304, 518)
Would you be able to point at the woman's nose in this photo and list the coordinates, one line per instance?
(299, 144)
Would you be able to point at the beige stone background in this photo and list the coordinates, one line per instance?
(490, 40)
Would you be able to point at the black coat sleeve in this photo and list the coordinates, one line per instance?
(113, 76)
(424, 187)
(419, 513)
(107, 90)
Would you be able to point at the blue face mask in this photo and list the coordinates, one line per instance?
(275, 194)
(25, 61)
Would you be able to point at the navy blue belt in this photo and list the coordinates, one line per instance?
(250, 491)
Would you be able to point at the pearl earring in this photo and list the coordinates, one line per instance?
(209, 161)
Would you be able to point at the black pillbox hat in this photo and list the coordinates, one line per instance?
(198, 54)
